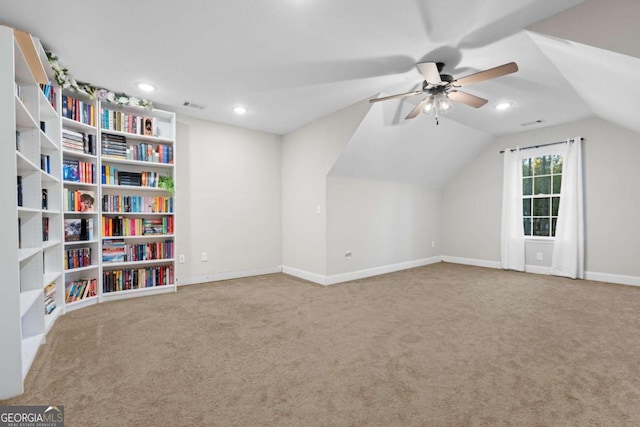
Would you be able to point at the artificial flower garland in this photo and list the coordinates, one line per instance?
(68, 82)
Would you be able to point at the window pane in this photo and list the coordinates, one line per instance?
(526, 167)
(555, 204)
(527, 184)
(527, 226)
(540, 226)
(526, 207)
(557, 183)
(557, 163)
(553, 226)
(542, 185)
(542, 165)
(541, 207)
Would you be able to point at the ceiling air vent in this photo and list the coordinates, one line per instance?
(193, 105)
(535, 122)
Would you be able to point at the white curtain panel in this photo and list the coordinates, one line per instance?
(568, 249)
(512, 234)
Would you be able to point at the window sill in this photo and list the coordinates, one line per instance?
(544, 240)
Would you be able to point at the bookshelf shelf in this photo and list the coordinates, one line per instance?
(50, 277)
(122, 161)
(74, 124)
(27, 299)
(78, 155)
(25, 254)
(51, 318)
(135, 263)
(85, 302)
(51, 243)
(80, 242)
(133, 187)
(79, 269)
(30, 346)
(145, 138)
(142, 237)
(128, 293)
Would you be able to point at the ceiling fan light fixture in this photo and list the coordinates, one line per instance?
(503, 106)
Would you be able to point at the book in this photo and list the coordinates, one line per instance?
(45, 198)
(87, 201)
(71, 170)
(148, 126)
(45, 229)
(78, 229)
(18, 140)
(19, 190)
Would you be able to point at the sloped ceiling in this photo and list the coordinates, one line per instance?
(291, 62)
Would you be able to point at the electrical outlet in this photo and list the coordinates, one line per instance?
(539, 256)
(433, 243)
(181, 258)
(203, 256)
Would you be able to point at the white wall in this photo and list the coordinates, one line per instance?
(471, 204)
(228, 196)
(383, 224)
(308, 154)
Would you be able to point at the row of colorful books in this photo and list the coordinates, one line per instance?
(78, 200)
(121, 226)
(118, 251)
(76, 229)
(137, 278)
(136, 204)
(50, 298)
(80, 289)
(78, 110)
(79, 142)
(130, 123)
(77, 258)
(78, 171)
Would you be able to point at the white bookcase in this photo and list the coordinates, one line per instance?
(51, 244)
(80, 196)
(31, 248)
(137, 215)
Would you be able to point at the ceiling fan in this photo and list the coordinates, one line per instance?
(441, 88)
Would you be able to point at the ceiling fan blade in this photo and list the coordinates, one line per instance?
(430, 72)
(417, 109)
(492, 73)
(465, 98)
(400, 95)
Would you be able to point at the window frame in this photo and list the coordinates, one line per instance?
(531, 154)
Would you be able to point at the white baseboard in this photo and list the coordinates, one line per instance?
(229, 275)
(305, 275)
(471, 261)
(613, 278)
(360, 274)
(535, 269)
(376, 271)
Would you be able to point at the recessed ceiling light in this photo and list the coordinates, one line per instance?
(146, 87)
(503, 106)
(239, 109)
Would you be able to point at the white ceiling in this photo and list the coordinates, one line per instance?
(291, 62)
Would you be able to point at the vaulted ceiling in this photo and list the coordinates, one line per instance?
(291, 62)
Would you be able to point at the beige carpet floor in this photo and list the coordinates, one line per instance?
(442, 345)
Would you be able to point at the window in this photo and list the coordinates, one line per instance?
(541, 182)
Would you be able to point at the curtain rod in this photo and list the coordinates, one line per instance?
(538, 146)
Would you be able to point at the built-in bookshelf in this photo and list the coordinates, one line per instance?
(80, 196)
(31, 292)
(137, 154)
(91, 219)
